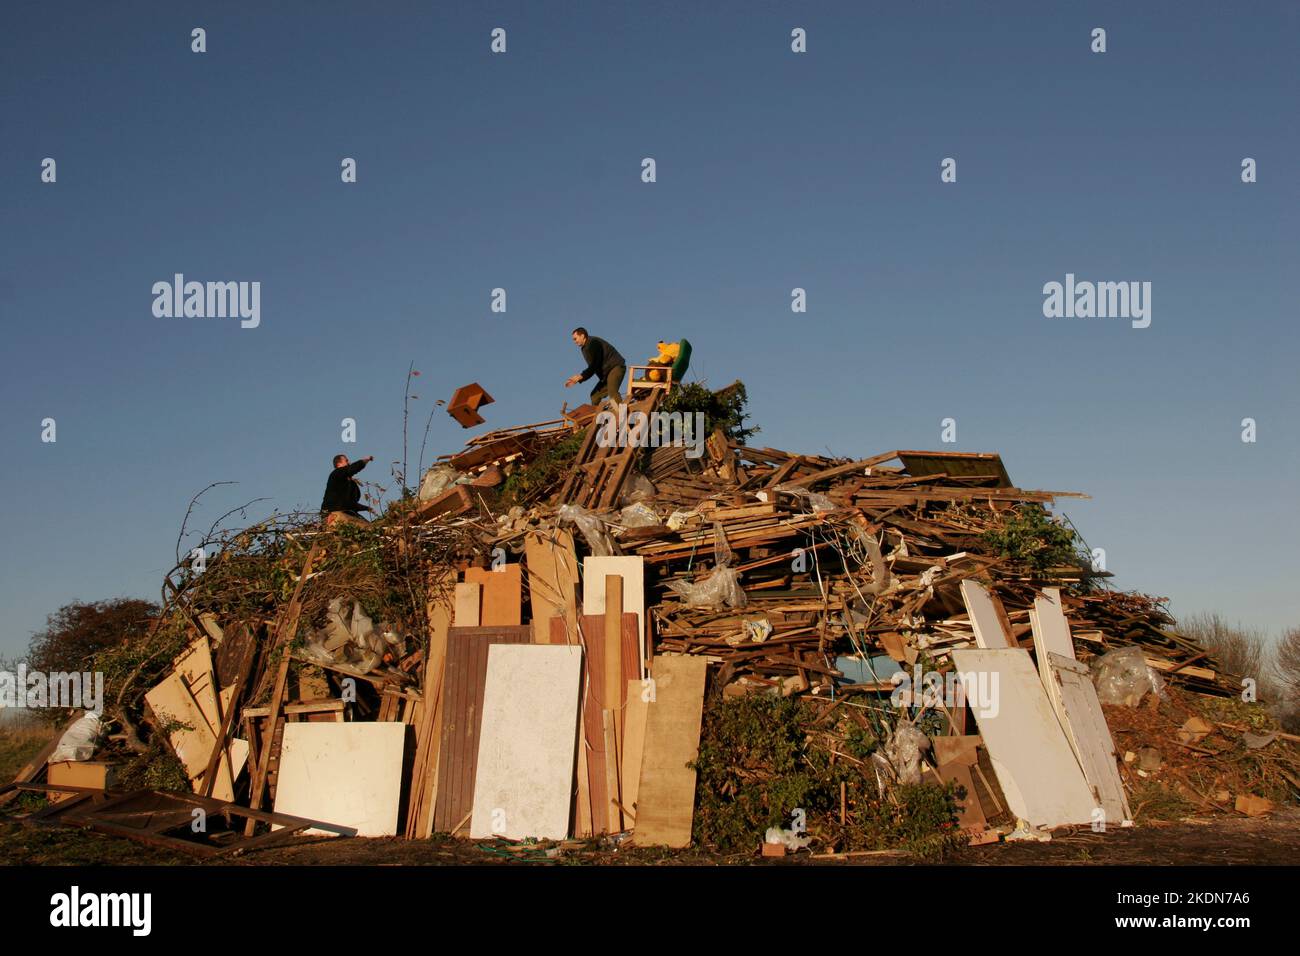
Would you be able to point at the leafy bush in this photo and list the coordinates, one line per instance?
(1030, 537)
(725, 408)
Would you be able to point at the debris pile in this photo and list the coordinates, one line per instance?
(529, 644)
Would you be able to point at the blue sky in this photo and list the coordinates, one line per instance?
(775, 170)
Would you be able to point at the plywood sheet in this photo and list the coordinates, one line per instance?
(347, 774)
(666, 793)
(463, 683)
(468, 603)
(984, 616)
(502, 594)
(1089, 735)
(186, 701)
(634, 717)
(552, 581)
(632, 571)
(1034, 763)
(523, 786)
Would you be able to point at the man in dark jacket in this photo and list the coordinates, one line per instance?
(342, 492)
(603, 361)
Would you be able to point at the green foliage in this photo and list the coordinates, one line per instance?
(1030, 537)
(534, 481)
(923, 821)
(158, 768)
(758, 763)
(751, 769)
(725, 408)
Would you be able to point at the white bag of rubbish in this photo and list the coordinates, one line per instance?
(437, 480)
(78, 741)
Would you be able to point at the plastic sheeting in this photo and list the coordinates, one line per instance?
(592, 528)
(719, 588)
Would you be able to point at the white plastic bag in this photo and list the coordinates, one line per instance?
(437, 480)
(78, 741)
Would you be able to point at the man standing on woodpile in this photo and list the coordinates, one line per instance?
(603, 361)
(343, 492)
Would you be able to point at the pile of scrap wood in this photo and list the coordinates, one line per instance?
(523, 648)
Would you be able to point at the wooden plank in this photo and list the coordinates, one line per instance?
(285, 631)
(469, 601)
(222, 746)
(1032, 759)
(552, 565)
(634, 720)
(984, 617)
(424, 788)
(615, 687)
(502, 594)
(666, 792)
(466, 671)
(1085, 727)
(840, 471)
(525, 759)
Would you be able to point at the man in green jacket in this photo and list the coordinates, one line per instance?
(604, 362)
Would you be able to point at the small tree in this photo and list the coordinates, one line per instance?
(76, 632)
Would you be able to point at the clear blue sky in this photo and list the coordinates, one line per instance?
(775, 170)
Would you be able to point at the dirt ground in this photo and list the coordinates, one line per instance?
(1271, 840)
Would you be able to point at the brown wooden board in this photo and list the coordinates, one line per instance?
(464, 681)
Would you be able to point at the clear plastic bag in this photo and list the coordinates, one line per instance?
(638, 515)
(1123, 677)
(719, 588)
(903, 751)
(816, 501)
(592, 528)
(637, 488)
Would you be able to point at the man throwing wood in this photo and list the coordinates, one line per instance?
(604, 362)
(342, 492)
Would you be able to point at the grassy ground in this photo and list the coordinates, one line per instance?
(1221, 840)
(19, 745)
